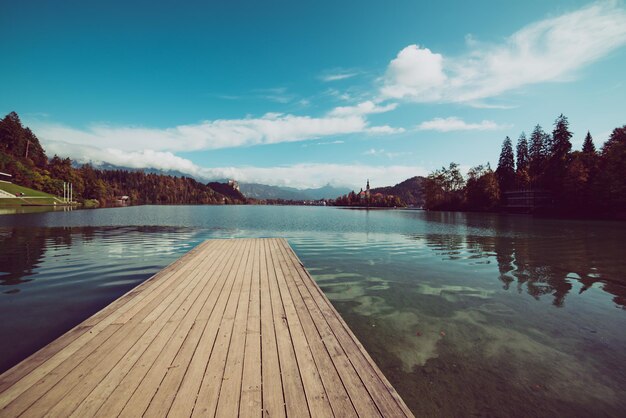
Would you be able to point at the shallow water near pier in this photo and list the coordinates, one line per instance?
(466, 314)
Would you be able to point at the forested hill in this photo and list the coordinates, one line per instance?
(22, 156)
(410, 191)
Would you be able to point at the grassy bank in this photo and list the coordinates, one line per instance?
(29, 197)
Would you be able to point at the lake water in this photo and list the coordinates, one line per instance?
(466, 314)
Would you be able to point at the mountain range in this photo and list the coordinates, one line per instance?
(263, 191)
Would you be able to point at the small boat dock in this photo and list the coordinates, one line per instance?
(236, 327)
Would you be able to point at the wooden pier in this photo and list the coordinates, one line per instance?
(236, 327)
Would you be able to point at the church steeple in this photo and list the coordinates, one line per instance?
(367, 189)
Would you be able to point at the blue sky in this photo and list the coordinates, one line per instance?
(303, 94)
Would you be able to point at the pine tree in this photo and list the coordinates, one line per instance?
(556, 166)
(523, 160)
(588, 147)
(536, 155)
(613, 164)
(548, 146)
(561, 137)
(506, 166)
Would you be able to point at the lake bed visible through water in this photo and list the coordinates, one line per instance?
(466, 314)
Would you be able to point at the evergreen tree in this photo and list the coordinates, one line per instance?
(588, 147)
(612, 171)
(522, 152)
(556, 167)
(561, 137)
(590, 159)
(548, 146)
(523, 161)
(536, 155)
(506, 166)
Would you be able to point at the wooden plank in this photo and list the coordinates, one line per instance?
(124, 380)
(143, 395)
(272, 384)
(186, 396)
(314, 390)
(161, 402)
(230, 391)
(129, 343)
(23, 376)
(17, 372)
(208, 395)
(387, 399)
(295, 399)
(50, 373)
(233, 328)
(358, 393)
(335, 390)
(251, 404)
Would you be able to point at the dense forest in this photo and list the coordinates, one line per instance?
(22, 156)
(588, 182)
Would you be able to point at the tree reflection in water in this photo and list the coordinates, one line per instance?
(539, 262)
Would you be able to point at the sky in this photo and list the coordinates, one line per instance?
(308, 93)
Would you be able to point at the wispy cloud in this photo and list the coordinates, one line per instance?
(277, 95)
(382, 153)
(272, 128)
(550, 50)
(455, 124)
(337, 142)
(374, 151)
(338, 74)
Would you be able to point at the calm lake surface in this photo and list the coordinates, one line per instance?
(466, 314)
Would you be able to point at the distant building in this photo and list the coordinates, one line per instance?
(528, 200)
(122, 200)
(365, 194)
(234, 184)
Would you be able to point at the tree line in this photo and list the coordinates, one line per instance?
(22, 156)
(375, 200)
(588, 182)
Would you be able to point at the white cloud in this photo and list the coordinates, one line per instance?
(135, 159)
(317, 175)
(385, 130)
(297, 175)
(415, 73)
(363, 108)
(271, 128)
(551, 50)
(456, 124)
